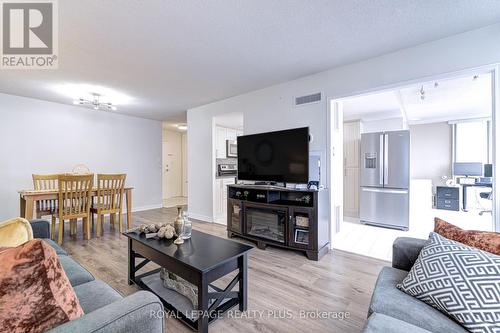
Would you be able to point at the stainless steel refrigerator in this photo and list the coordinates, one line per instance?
(385, 177)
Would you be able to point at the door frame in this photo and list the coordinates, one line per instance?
(334, 104)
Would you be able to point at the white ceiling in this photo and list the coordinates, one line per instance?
(168, 56)
(372, 107)
(453, 99)
(456, 99)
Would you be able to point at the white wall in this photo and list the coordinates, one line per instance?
(431, 148)
(184, 165)
(272, 108)
(43, 137)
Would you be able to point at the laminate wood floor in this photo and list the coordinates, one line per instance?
(282, 283)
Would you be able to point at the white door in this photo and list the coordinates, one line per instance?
(352, 139)
(172, 164)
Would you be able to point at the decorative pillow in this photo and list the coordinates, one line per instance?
(458, 280)
(484, 240)
(15, 232)
(35, 293)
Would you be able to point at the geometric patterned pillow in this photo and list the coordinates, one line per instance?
(461, 281)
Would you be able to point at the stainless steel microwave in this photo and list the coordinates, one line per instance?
(231, 148)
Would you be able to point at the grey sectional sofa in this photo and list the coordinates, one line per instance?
(393, 311)
(105, 309)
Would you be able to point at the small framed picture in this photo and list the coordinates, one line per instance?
(301, 236)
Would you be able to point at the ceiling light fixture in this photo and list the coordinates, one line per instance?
(422, 93)
(182, 127)
(95, 103)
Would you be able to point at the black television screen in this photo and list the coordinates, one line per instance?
(281, 156)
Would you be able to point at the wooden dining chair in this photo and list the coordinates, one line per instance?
(45, 182)
(109, 200)
(75, 198)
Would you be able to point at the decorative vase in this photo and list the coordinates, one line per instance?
(188, 226)
(179, 222)
(179, 226)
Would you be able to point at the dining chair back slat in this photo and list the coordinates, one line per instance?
(44, 182)
(110, 188)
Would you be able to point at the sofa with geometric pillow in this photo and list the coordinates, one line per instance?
(102, 309)
(439, 285)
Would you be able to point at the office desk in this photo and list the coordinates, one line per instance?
(464, 192)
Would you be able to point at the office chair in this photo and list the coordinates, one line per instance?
(488, 196)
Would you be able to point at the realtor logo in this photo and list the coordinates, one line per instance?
(29, 34)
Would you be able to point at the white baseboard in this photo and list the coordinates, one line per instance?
(200, 217)
(142, 208)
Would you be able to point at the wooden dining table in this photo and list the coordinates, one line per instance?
(27, 199)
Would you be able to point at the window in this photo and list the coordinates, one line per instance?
(472, 141)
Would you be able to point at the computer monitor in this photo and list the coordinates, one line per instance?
(473, 169)
(488, 170)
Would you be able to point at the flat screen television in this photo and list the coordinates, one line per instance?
(281, 156)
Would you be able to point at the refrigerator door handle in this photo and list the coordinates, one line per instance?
(381, 160)
(383, 190)
(386, 159)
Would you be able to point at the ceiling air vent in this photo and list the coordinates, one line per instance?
(308, 99)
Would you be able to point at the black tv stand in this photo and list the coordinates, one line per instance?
(267, 184)
(288, 218)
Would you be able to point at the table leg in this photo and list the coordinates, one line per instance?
(203, 304)
(86, 225)
(131, 263)
(22, 207)
(28, 214)
(243, 283)
(464, 198)
(128, 196)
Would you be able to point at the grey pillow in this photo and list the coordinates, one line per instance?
(461, 281)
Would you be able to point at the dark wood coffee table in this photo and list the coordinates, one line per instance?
(201, 260)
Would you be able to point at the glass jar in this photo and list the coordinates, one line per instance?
(188, 226)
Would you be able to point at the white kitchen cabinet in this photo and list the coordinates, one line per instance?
(220, 186)
(352, 139)
(232, 134)
(220, 192)
(221, 135)
(220, 142)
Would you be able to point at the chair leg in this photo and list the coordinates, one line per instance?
(53, 228)
(112, 221)
(83, 227)
(102, 223)
(92, 219)
(87, 228)
(98, 230)
(120, 222)
(72, 227)
(61, 231)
